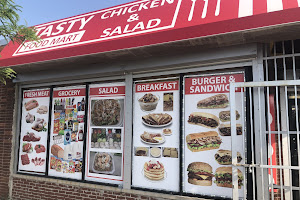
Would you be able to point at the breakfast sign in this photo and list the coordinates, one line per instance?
(156, 135)
(146, 22)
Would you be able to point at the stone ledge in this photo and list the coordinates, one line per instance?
(106, 188)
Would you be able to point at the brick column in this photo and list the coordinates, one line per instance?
(7, 96)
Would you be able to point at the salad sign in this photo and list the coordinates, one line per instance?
(67, 132)
(105, 139)
(207, 160)
(34, 131)
(156, 135)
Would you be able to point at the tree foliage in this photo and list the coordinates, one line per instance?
(10, 30)
(9, 27)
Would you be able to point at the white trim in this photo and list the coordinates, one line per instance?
(274, 5)
(246, 8)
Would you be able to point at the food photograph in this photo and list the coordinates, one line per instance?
(156, 135)
(107, 112)
(208, 137)
(154, 170)
(148, 102)
(155, 152)
(203, 141)
(105, 163)
(152, 138)
(141, 151)
(224, 157)
(200, 173)
(223, 177)
(106, 138)
(212, 102)
(34, 131)
(157, 119)
(170, 152)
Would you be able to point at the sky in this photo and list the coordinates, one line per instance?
(35, 12)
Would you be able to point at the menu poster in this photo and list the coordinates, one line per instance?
(67, 132)
(156, 118)
(105, 139)
(34, 131)
(207, 146)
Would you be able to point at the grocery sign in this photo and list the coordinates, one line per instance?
(147, 22)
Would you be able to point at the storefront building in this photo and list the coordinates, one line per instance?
(156, 99)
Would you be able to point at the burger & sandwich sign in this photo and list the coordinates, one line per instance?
(207, 167)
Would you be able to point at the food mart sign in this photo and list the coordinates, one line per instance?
(147, 22)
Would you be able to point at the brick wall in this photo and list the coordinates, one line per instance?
(7, 96)
(25, 187)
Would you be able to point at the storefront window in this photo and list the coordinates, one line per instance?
(105, 137)
(67, 132)
(207, 151)
(156, 131)
(34, 131)
(166, 120)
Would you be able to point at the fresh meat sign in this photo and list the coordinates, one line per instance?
(147, 22)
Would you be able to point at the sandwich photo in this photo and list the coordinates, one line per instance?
(216, 101)
(225, 116)
(157, 119)
(225, 129)
(203, 141)
(223, 177)
(224, 157)
(204, 119)
(200, 173)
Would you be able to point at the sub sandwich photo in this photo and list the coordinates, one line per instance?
(224, 157)
(225, 129)
(216, 101)
(203, 141)
(204, 119)
(225, 116)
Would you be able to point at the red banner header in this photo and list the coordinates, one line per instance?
(147, 22)
(211, 84)
(36, 94)
(156, 87)
(104, 91)
(69, 93)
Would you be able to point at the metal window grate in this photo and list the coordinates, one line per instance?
(282, 62)
(273, 123)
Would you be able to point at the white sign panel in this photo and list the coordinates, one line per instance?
(34, 131)
(105, 139)
(155, 163)
(207, 146)
(67, 132)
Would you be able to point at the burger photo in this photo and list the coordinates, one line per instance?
(200, 173)
(223, 177)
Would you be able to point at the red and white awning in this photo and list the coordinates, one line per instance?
(147, 22)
